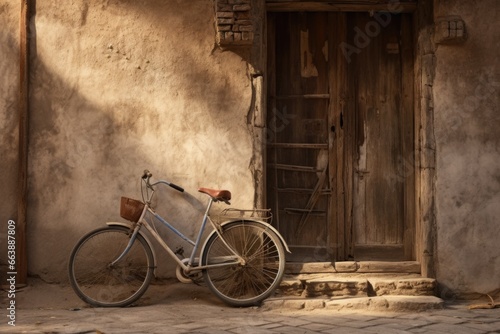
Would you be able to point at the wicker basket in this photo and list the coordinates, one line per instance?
(131, 209)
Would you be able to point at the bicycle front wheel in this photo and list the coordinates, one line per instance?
(99, 283)
(258, 277)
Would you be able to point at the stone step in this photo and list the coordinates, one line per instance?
(333, 285)
(374, 304)
(418, 286)
(383, 267)
(341, 291)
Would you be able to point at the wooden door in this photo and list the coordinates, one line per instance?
(381, 86)
(328, 169)
(299, 135)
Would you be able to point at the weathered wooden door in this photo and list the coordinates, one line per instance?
(340, 134)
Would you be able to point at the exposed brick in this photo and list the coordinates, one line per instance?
(244, 22)
(229, 36)
(224, 28)
(242, 15)
(242, 8)
(246, 28)
(225, 14)
(247, 36)
(224, 7)
(234, 22)
(223, 21)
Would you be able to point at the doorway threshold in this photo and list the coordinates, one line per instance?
(361, 267)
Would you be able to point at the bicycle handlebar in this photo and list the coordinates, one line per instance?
(176, 187)
(147, 175)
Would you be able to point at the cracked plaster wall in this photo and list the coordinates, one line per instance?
(117, 87)
(466, 94)
(9, 88)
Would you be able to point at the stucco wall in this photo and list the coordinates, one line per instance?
(467, 119)
(120, 86)
(9, 88)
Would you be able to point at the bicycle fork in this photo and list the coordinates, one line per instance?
(129, 246)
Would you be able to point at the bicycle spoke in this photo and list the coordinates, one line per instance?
(100, 284)
(264, 264)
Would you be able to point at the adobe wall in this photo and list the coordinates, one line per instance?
(466, 95)
(117, 87)
(120, 87)
(9, 97)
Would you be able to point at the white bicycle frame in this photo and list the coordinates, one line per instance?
(191, 264)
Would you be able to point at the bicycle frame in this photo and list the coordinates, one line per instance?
(191, 265)
(241, 258)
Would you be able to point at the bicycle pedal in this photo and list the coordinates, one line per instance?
(179, 251)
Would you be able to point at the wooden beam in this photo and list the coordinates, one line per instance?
(21, 254)
(303, 191)
(342, 5)
(296, 168)
(299, 145)
(304, 96)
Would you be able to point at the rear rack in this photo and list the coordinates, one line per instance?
(237, 214)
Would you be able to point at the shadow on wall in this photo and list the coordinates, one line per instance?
(9, 88)
(118, 95)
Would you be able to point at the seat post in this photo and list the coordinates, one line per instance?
(200, 233)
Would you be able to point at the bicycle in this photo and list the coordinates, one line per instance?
(242, 260)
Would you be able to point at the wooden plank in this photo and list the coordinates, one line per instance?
(342, 5)
(311, 203)
(379, 206)
(425, 140)
(301, 96)
(342, 110)
(407, 126)
(302, 211)
(333, 161)
(271, 177)
(299, 145)
(379, 252)
(304, 191)
(296, 168)
(21, 252)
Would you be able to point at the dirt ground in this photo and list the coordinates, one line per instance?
(40, 295)
(173, 307)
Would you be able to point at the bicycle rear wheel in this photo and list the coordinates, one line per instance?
(251, 283)
(98, 283)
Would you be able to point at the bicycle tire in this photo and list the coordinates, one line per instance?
(251, 283)
(98, 284)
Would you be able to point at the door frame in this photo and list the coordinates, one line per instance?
(424, 141)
